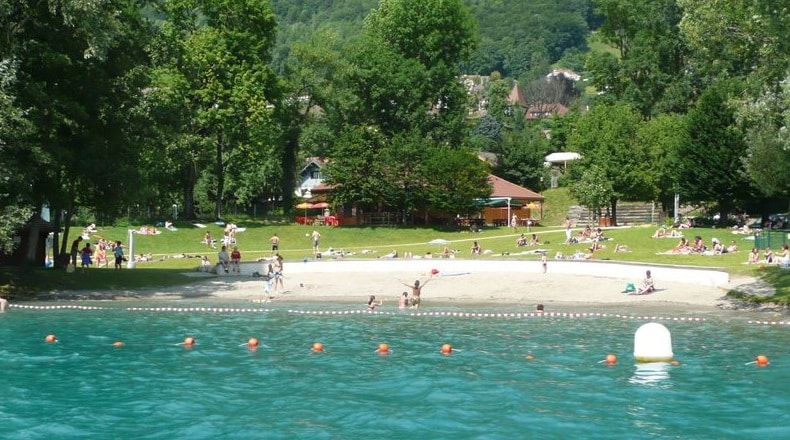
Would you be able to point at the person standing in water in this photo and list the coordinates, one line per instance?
(372, 303)
(416, 290)
(403, 300)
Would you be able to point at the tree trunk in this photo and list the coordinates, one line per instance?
(725, 206)
(613, 202)
(189, 191)
(220, 170)
(32, 240)
(56, 224)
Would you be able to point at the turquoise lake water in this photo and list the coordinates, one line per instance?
(154, 388)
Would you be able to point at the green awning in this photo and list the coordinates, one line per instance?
(500, 203)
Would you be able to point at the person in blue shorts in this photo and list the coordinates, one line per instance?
(118, 252)
(86, 253)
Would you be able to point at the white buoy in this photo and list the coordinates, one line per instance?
(653, 343)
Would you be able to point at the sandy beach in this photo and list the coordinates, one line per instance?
(470, 283)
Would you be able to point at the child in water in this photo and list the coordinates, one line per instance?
(372, 304)
(403, 301)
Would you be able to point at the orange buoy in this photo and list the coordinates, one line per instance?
(447, 349)
(383, 349)
(611, 359)
(189, 341)
(761, 360)
(252, 343)
(50, 339)
(318, 347)
(117, 344)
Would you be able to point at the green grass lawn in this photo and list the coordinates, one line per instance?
(168, 247)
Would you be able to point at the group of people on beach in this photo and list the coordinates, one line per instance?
(86, 253)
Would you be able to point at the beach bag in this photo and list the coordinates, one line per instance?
(630, 288)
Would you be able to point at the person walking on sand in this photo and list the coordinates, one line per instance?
(543, 262)
(223, 258)
(278, 274)
(267, 283)
(416, 290)
(118, 252)
(235, 260)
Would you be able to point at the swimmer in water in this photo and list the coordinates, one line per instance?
(372, 304)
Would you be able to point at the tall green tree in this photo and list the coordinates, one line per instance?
(522, 156)
(766, 120)
(606, 138)
(15, 208)
(593, 190)
(650, 72)
(663, 137)
(402, 108)
(438, 35)
(77, 77)
(217, 94)
(738, 38)
(711, 163)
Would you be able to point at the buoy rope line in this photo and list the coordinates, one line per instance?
(148, 309)
(770, 322)
(375, 312)
(497, 315)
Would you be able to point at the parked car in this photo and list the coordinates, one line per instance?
(779, 221)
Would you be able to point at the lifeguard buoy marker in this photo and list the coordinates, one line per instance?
(50, 339)
(653, 343)
(760, 360)
(383, 349)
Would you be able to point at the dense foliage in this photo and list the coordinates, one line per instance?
(517, 38)
(119, 108)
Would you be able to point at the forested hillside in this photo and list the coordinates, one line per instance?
(518, 38)
(214, 105)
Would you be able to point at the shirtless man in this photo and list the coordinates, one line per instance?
(416, 289)
(275, 241)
